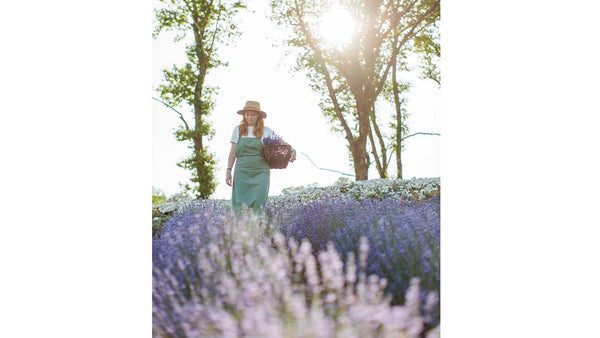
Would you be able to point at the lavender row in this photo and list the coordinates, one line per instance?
(206, 276)
(215, 275)
(404, 235)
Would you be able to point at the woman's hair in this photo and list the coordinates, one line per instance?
(258, 130)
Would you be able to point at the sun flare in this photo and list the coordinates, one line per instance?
(337, 26)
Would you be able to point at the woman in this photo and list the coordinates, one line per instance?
(251, 180)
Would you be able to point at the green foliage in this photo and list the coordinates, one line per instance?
(158, 220)
(178, 86)
(163, 207)
(202, 166)
(158, 196)
(180, 197)
(211, 25)
(427, 46)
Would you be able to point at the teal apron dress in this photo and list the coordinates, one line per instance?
(251, 178)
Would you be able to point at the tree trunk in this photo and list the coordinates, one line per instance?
(397, 103)
(198, 144)
(361, 162)
(199, 162)
(399, 144)
(380, 160)
(361, 166)
(380, 168)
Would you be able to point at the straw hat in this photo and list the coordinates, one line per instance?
(253, 106)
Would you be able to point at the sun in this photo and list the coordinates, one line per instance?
(337, 26)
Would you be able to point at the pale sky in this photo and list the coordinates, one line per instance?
(259, 71)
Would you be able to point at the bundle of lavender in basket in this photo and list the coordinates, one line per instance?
(276, 151)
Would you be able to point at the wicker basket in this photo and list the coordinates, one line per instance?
(278, 155)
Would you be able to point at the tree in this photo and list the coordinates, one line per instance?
(427, 48)
(211, 25)
(394, 91)
(350, 79)
(158, 196)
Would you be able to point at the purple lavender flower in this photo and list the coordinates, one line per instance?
(404, 236)
(276, 151)
(301, 268)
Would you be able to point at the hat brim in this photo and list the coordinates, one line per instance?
(264, 115)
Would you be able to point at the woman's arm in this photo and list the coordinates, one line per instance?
(230, 162)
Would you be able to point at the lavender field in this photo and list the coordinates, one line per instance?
(354, 260)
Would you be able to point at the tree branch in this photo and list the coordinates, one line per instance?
(394, 21)
(329, 82)
(210, 49)
(381, 142)
(397, 104)
(396, 49)
(187, 127)
(375, 155)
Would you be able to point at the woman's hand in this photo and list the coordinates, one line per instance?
(230, 163)
(228, 179)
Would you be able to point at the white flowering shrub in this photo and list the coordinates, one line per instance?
(413, 189)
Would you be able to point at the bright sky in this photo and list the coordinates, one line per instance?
(259, 71)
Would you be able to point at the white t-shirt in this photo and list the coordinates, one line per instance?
(236, 133)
